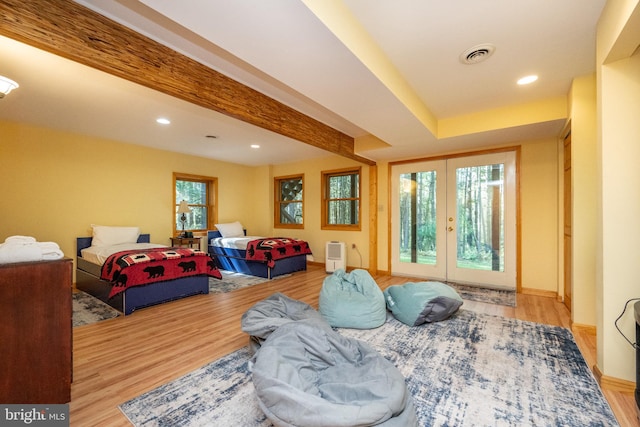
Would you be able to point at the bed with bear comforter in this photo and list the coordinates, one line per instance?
(266, 257)
(130, 276)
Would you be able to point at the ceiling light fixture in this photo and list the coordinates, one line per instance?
(255, 146)
(163, 121)
(528, 79)
(6, 86)
(477, 53)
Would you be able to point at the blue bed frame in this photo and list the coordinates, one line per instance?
(235, 260)
(88, 280)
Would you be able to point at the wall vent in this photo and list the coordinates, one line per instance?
(477, 54)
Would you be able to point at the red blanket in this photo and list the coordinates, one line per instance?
(274, 248)
(141, 267)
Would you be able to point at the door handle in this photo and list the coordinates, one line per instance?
(449, 228)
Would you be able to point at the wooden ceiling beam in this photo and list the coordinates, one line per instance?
(72, 31)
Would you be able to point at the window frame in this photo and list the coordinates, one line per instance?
(325, 176)
(211, 206)
(277, 201)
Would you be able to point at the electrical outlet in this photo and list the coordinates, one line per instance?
(353, 246)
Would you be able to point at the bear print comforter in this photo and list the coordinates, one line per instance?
(141, 267)
(271, 249)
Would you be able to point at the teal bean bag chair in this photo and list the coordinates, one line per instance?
(352, 300)
(423, 302)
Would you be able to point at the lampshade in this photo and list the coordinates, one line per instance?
(184, 207)
(6, 86)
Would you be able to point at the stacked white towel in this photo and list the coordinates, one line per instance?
(26, 248)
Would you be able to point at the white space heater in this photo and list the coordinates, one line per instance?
(335, 256)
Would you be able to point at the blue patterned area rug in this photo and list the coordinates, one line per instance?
(88, 309)
(470, 370)
(231, 281)
(488, 295)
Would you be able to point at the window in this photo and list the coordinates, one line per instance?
(289, 202)
(341, 199)
(200, 194)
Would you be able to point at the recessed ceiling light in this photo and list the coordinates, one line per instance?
(163, 121)
(255, 146)
(528, 79)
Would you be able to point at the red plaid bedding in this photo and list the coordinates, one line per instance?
(273, 248)
(141, 267)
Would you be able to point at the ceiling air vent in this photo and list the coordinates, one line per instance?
(477, 54)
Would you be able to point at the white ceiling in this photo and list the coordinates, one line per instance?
(283, 49)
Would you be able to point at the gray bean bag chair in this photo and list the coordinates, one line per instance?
(267, 315)
(352, 300)
(307, 374)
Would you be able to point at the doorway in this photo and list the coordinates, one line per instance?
(455, 220)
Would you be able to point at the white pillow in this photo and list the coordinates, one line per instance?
(104, 235)
(231, 229)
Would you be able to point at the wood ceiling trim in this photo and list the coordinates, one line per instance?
(70, 30)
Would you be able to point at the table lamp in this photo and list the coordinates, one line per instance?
(183, 209)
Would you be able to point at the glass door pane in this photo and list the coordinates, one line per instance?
(418, 217)
(480, 209)
(481, 220)
(418, 244)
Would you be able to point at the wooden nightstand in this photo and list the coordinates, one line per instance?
(191, 242)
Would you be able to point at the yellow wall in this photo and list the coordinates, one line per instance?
(383, 209)
(584, 213)
(312, 231)
(539, 215)
(260, 216)
(54, 185)
(618, 251)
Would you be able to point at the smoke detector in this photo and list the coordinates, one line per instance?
(477, 54)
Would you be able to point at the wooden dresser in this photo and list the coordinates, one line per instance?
(35, 332)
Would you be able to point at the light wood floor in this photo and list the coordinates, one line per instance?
(119, 359)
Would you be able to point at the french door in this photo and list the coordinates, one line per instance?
(455, 220)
